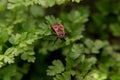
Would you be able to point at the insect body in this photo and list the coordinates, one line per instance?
(59, 30)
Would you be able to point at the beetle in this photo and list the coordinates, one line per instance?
(59, 31)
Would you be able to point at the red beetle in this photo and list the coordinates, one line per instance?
(59, 30)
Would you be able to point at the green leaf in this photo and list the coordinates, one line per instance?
(28, 56)
(104, 6)
(63, 76)
(97, 46)
(3, 35)
(98, 19)
(56, 68)
(9, 51)
(3, 4)
(1, 47)
(51, 19)
(80, 16)
(76, 51)
(43, 30)
(115, 29)
(9, 59)
(76, 1)
(36, 11)
(15, 39)
(45, 3)
(89, 43)
(8, 72)
(31, 38)
(60, 1)
(1, 57)
(49, 3)
(107, 50)
(96, 75)
(1, 64)
(87, 64)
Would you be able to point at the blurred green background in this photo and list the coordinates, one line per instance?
(91, 50)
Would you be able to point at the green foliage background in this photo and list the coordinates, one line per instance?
(91, 50)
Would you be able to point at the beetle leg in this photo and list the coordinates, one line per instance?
(63, 39)
(55, 41)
